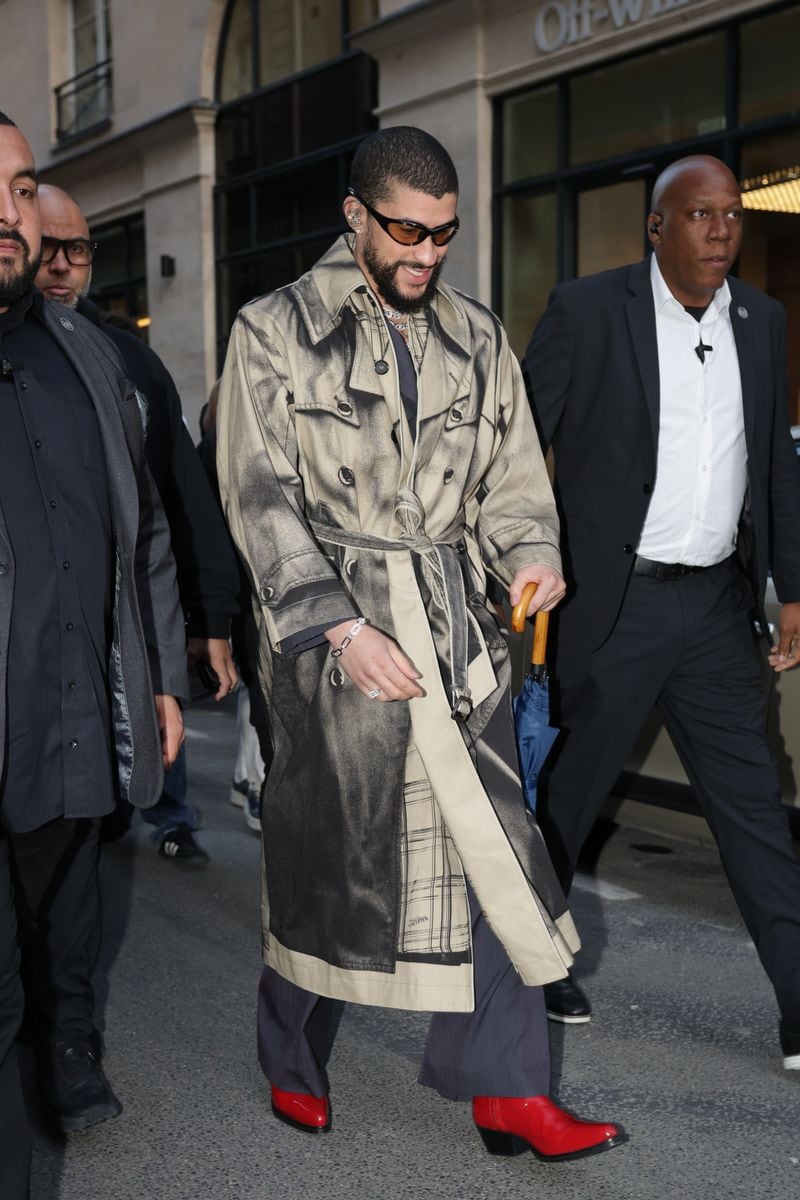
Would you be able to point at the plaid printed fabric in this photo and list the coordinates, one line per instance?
(434, 914)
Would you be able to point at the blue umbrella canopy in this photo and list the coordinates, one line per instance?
(535, 735)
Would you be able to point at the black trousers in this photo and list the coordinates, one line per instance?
(688, 647)
(500, 1049)
(15, 1134)
(58, 913)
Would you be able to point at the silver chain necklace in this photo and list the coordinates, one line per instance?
(397, 319)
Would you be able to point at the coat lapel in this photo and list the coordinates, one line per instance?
(640, 313)
(742, 324)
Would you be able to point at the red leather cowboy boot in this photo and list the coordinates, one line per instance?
(310, 1114)
(511, 1125)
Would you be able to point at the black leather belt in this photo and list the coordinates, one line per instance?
(661, 570)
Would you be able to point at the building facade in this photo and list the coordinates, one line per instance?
(208, 141)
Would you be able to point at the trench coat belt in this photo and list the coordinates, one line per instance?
(442, 572)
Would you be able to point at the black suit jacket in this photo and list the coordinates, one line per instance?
(593, 378)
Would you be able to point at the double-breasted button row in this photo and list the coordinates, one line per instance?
(347, 476)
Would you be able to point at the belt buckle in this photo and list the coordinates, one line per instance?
(461, 706)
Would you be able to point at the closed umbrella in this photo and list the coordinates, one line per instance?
(535, 736)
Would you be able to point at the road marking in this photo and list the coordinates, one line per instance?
(606, 891)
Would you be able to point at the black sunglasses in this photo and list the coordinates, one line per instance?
(411, 233)
(79, 252)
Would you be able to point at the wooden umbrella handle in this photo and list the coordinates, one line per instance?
(540, 624)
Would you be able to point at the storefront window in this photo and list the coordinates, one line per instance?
(669, 95)
(770, 254)
(770, 66)
(529, 263)
(530, 134)
(610, 226)
(118, 270)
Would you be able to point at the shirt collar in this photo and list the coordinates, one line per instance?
(663, 297)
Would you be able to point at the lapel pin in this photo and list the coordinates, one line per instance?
(66, 323)
(742, 311)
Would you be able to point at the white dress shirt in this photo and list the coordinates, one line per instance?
(701, 469)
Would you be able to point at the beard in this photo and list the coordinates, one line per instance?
(384, 276)
(15, 282)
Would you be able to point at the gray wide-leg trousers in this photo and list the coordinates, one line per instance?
(500, 1049)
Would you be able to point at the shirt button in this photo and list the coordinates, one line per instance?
(647, 489)
(65, 565)
(38, 444)
(52, 503)
(69, 625)
(628, 548)
(23, 387)
(347, 476)
(72, 744)
(3, 567)
(72, 685)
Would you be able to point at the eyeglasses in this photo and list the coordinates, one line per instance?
(411, 233)
(79, 252)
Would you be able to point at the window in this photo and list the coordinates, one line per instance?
(119, 284)
(266, 41)
(83, 102)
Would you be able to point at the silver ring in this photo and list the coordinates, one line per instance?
(373, 693)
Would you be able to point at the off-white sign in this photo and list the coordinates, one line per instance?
(562, 23)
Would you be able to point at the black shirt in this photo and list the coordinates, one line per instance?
(55, 505)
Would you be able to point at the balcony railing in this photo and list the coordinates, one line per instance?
(83, 103)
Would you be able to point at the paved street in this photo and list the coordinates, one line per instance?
(683, 1048)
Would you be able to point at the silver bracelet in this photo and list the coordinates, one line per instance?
(352, 632)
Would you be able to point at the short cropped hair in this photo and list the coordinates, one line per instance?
(401, 154)
(4, 120)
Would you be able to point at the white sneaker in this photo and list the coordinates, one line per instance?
(238, 792)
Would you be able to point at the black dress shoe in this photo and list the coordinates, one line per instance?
(790, 1045)
(75, 1088)
(565, 1002)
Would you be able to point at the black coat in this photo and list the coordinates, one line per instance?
(593, 378)
(208, 571)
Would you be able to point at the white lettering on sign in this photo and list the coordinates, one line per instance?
(562, 23)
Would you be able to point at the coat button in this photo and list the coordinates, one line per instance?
(456, 414)
(337, 677)
(350, 568)
(3, 567)
(628, 548)
(344, 408)
(647, 489)
(346, 476)
(448, 475)
(266, 593)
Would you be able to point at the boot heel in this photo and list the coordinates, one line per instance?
(503, 1144)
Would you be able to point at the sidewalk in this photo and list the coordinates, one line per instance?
(683, 1049)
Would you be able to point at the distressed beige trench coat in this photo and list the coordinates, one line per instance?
(375, 813)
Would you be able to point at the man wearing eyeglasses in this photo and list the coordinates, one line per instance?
(208, 574)
(376, 457)
(91, 648)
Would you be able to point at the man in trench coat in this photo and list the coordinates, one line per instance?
(376, 456)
